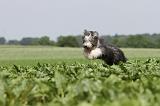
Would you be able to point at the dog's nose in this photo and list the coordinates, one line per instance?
(84, 46)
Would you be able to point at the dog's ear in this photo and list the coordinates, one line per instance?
(96, 34)
(85, 32)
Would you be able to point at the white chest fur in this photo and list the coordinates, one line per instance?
(93, 54)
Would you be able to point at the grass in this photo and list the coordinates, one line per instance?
(131, 84)
(68, 79)
(31, 55)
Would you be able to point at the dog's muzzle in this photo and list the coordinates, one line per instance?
(87, 45)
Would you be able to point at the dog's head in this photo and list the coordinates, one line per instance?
(90, 39)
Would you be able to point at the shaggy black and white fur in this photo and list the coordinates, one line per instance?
(94, 48)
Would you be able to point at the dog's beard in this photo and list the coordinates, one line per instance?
(88, 49)
(87, 45)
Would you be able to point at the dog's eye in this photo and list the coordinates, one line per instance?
(95, 37)
(87, 34)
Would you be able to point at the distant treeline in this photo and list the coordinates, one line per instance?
(126, 41)
(135, 41)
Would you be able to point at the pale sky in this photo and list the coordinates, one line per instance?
(34, 18)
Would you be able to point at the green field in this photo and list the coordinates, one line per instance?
(31, 55)
(53, 76)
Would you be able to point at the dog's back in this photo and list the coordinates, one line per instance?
(112, 55)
